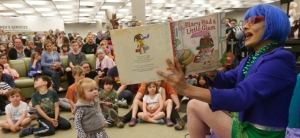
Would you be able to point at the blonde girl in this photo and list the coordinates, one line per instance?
(151, 100)
(87, 110)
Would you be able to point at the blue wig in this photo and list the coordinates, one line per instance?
(277, 25)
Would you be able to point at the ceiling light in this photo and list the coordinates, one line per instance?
(107, 7)
(67, 16)
(83, 10)
(22, 12)
(80, 14)
(87, 3)
(13, 5)
(64, 6)
(7, 14)
(65, 12)
(62, 0)
(48, 14)
(37, 2)
(101, 12)
(31, 16)
(43, 9)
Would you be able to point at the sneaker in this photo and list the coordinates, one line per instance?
(169, 122)
(26, 131)
(180, 124)
(113, 115)
(184, 100)
(123, 103)
(141, 120)
(132, 122)
(4, 130)
(160, 121)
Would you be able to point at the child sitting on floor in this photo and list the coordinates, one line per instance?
(16, 112)
(89, 121)
(151, 99)
(46, 103)
(108, 99)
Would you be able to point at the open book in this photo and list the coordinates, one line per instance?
(141, 51)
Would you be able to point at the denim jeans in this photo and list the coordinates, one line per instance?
(54, 77)
(127, 95)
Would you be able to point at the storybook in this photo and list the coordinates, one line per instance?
(141, 51)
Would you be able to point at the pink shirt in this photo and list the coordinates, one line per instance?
(105, 63)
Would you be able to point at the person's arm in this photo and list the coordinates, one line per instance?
(140, 93)
(70, 61)
(145, 111)
(42, 113)
(56, 108)
(11, 81)
(161, 105)
(24, 115)
(77, 122)
(32, 65)
(96, 78)
(121, 88)
(59, 60)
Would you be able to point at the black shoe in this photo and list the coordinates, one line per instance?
(26, 131)
(113, 115)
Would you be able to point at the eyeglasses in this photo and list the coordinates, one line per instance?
(86, 67)
(253, 20)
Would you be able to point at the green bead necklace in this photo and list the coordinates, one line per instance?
(253, 57)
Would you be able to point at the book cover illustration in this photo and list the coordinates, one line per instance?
(196, 44)
(139, 39)
(141, 51)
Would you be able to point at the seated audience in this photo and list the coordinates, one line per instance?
(78, 73)
(51, 64)
(89, 73)
(46, 103)
(90, 47)
(19, 51)
(6, 83)
(152, 105)
(108, 98)
(32, 47)
(35, 65)
(16, 111)
(124, 91)
(103, 63)
(74, 59)
(7, 70)
(3, 49)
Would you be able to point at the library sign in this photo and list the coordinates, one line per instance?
(30, 24)
(14, 28)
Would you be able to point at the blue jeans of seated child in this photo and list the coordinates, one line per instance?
(127, 95)
(46, 128)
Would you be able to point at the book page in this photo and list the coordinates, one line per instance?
(196, 44)
(141, 51)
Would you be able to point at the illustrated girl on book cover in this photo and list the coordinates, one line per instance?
(140, 43)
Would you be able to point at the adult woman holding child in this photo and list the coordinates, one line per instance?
(51, 64)
(259, 89)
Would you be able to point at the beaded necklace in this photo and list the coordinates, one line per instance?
(253, 57)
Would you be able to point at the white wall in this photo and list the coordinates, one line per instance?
(81, 28)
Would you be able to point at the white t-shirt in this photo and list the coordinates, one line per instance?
(151, 102)
(16, 112)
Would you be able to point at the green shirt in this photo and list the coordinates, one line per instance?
(108, 97)
(46, 101)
